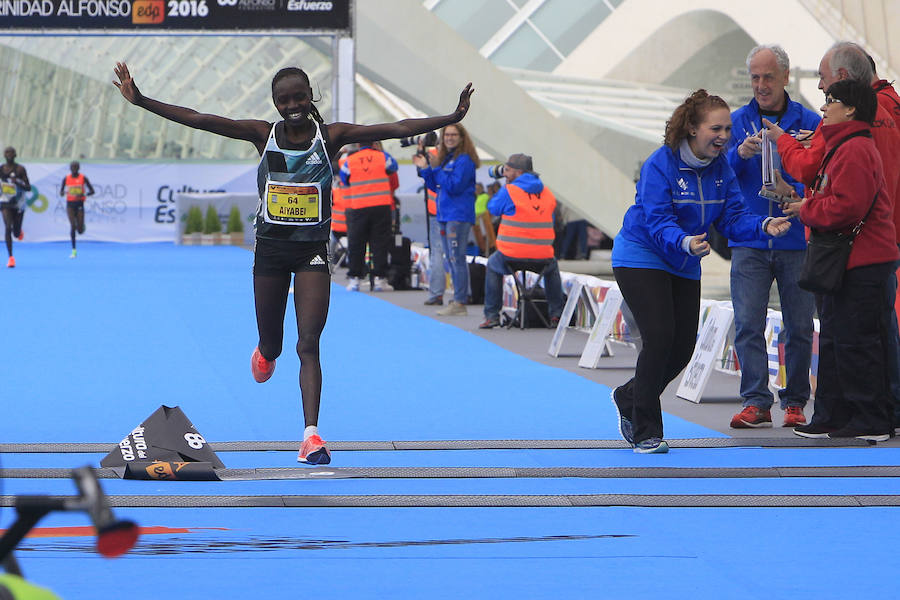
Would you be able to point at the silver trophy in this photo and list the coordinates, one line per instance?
(768, 162)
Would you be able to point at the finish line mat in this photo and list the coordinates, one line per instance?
(492, 473)
(292, 446)
(497, 501)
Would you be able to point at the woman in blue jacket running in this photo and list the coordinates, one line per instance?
(684, 186)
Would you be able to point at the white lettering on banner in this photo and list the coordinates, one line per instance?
(256, 4)
(309, 5)
(125, 448)
(188, 8)
(139, 443)
(26, 8)
(94, 8)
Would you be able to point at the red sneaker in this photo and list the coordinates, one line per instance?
(793, 416)
(314, 452)
(261, 368)
(11, 262)
(753, 417)
(21, 236)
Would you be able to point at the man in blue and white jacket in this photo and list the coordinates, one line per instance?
(755, 264)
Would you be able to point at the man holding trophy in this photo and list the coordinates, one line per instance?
(756, 264)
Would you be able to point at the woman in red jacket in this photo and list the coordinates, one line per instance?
(852, 393)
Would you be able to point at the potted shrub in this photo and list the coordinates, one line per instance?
(235, 227)
(211, 226)
(193, 226)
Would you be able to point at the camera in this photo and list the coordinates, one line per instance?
(496, 171)
(429, 140)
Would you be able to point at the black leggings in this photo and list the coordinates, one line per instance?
(312, 292)
(370, 225)
(666, 309)
(12, 224)
(75, 212)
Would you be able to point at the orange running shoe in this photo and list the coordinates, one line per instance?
(261, 368)
(11, 262)
(314, 452)
(21, 236)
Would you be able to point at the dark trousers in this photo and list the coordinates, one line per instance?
(666, 310)
(852, 386)
(894, 356)
(372, 226)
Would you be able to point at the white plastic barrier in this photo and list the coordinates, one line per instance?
(610, 321)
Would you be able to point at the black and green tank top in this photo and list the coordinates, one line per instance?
(294, 191)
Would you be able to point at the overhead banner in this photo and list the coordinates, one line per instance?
(131, 203)
(160, 16)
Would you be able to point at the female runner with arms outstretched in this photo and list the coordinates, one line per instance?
(294, 217)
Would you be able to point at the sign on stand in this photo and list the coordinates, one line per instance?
(707, 352)
(597, 345)
(579, 293)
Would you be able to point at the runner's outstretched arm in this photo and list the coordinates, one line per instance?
(349, 133)
(249, 130)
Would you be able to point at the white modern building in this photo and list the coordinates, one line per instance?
(585, 86)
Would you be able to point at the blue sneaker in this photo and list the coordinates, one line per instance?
(625, 429)
(651, 446)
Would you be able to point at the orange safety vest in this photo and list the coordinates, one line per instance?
(74, 188)
(528, 234)
(338, 207)
(369, 183)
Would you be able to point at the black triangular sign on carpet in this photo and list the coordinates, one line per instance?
(167, 436)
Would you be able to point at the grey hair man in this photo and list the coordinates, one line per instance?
(756, 265)
(844, 60)
(847, 60)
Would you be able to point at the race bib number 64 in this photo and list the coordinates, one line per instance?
(293, 203)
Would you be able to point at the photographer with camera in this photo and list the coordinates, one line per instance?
(452, 175)
(437, 279)
(526, 233)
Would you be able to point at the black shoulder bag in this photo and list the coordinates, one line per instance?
(827, 252)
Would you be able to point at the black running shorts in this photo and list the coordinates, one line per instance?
(276, 257)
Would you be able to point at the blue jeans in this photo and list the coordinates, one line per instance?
(455, 237)
(752, 273)
(493, 286)
(437, 278)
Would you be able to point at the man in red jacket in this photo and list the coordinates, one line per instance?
(846, 60)
(887, 95)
